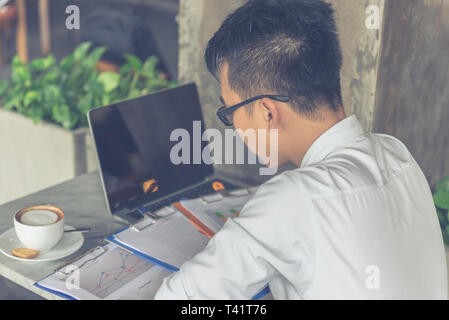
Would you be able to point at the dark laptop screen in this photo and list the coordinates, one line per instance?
(133, 145)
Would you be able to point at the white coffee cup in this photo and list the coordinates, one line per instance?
(39, 227)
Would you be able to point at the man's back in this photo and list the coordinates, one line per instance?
(376, 232)
(355, 221)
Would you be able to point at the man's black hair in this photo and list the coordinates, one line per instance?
(286, 47)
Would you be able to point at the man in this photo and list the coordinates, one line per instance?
(355, 220)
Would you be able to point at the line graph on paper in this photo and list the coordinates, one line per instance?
(116, 268)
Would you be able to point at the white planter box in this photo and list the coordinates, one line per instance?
(37, 156)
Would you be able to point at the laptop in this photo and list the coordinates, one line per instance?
(132, 142)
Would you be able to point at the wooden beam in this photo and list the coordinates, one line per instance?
(44, 27)
(22, 37)
(1, 50)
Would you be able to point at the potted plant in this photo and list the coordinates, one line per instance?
(43, 126)
(441, 199)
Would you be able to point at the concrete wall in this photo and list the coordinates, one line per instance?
(34, 157)
(412, 97)
(199, 19)
(361, 48)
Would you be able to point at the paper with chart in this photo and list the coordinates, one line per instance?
(213, 211)
(109, 272)
(172, 240)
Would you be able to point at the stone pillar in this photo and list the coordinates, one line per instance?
(412, 96)
(361, 49)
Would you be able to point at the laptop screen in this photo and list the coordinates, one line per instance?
(133, 146)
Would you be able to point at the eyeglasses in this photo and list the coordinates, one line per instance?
(225, 113)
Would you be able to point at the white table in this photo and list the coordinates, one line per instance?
(83, 203)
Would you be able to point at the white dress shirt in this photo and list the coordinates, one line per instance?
(355, 221)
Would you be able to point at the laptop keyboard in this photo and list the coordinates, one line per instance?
(198, 191)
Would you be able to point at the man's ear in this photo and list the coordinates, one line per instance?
(270, 113)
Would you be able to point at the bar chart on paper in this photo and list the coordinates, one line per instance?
(221, 216)
(211, 213)
(117, 269)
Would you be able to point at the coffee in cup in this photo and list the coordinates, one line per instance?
(39, 227)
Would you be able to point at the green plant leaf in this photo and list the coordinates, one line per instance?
(42, 63)
(149, 67)
(57, 113)
(4, 85)
(11, 104)
(51, 75)
(105, 99)
(445, 237)
(442, 185)
(95, 88)
(16, 61)
(81, 50)
(67, 62)
(85, 103)
(95, 56)
(62, 115)
(30, 97)
(125, 82)
(73, 121)
(441, 200)
(110, 80)
(134, 93)
(52, 92)
(20, 74)
(70, 93)
(134, 62)
(156, 84)
(36, 115)
(442, 217)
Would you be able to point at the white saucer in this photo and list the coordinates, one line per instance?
(69, 243)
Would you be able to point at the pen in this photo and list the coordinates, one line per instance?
(82, 230)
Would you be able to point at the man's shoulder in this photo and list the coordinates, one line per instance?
(296, 185)
(369, 163)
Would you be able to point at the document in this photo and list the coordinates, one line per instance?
(172, 240)
(210, 213)
(108, 273)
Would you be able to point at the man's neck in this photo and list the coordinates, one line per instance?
(305, 131)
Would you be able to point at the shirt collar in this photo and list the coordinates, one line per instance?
(344, 131)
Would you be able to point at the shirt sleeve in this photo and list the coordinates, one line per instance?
(246, 254)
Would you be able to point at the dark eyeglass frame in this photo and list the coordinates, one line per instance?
(224, 111)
